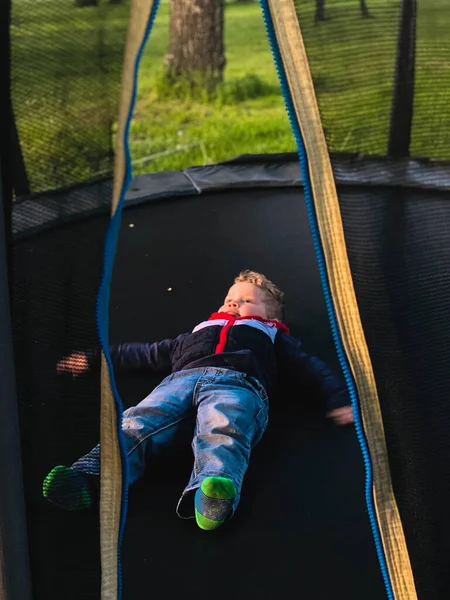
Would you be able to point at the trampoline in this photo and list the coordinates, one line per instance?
(360, 246)
(279, 542)
(165, 213)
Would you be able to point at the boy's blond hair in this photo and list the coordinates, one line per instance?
(274, 296)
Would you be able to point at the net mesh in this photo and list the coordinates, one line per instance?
(66, 62)
(399, 254)
(55, 283)
(66, 72)
(353, 60)
(397, 239)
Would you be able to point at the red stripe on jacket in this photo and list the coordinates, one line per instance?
(223, 336)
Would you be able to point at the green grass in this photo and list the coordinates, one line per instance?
(352, 60)
(197, 132)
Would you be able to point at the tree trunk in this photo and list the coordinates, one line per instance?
(196, 42)
(364, 8)
(82, 3)
(320, 11)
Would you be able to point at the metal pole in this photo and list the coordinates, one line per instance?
(15, 581)
(403, 93)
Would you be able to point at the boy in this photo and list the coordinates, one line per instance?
(224, 371)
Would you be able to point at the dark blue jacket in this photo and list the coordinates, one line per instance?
(260, 348)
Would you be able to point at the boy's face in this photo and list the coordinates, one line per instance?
(245, 300)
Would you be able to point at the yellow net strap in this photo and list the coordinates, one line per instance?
(290, 41)
(111, 468)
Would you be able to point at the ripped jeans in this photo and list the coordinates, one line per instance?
(231, 417)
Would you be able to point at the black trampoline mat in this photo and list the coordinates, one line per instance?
(302, 528)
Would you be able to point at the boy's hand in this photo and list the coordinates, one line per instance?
(342, 416)
(76, 363)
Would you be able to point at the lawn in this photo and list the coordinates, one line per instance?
(352, 62)
(212, 131)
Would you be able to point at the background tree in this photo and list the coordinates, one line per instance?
(81, 3)
(196, 42)
(364, 8)
(320, 10)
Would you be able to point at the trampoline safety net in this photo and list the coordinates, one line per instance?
(65, 80)
(381, 73)
(378, 71)
(362, 62)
